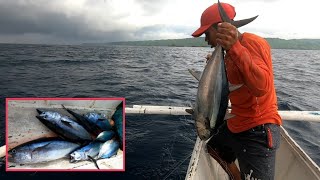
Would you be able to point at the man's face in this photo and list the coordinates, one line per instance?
(211, 36)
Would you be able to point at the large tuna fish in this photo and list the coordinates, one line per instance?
(91, 150)
(93, 122)
(89, 126)
(63, 126)
(40, 151)
(213, 89)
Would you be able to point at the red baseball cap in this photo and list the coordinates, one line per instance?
(211, 16)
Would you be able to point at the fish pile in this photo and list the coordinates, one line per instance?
(90, 136)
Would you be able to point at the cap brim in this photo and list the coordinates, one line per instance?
(200, 31)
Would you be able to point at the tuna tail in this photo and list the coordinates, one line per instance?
(94, 161)
(237, 24)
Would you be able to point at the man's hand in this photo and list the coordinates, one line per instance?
(208, 57)
(227, 35)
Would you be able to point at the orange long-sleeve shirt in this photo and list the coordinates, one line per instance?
(249, 62)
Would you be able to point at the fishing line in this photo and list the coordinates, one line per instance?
(179, 164)
(186, 128)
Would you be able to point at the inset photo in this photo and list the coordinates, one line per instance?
(65, 134)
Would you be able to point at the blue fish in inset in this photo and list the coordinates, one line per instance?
(108, 149)
(92, 149)
(64, 126)
(100, 120)
(40, 151)
(89, 126)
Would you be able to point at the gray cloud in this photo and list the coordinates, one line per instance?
(154, 32)
(27, 19)
(17, 19)
(43, 22)
(152, 6)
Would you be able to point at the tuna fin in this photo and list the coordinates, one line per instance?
(190, 111)
(228, 116)
(71, 112)
(67, 123)
(42, 148)
(237, 24)
(82, 121)
(195, 74)
(102, 119)
(94, 161)
(233, 87)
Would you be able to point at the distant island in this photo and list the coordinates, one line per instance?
(276, 43)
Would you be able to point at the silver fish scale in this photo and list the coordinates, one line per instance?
(209, 95)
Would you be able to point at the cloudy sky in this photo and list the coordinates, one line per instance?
(79, 21)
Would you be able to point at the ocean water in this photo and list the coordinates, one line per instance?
(157, 146)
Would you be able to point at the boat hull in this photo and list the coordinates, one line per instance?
(291, 163)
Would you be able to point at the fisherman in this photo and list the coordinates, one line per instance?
(253, 135)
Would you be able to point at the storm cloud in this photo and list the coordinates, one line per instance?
(60, 22)
(98, 21)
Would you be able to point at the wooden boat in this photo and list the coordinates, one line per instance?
(292, 162)
(23, 126)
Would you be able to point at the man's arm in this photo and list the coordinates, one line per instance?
(255, 72)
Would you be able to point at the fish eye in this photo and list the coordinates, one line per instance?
(76, 156)
(13, 151)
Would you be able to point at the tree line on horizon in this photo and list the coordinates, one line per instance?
(275, 43)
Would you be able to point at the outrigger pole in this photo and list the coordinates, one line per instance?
(174, 110)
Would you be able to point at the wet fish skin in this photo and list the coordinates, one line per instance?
(64, 126)
(108, 149)
(209, 94)
(105, 136)
(89, 126)
(99, 120)
(92, 150)
(41, 151)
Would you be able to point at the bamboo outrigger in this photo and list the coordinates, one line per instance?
(292, 162)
